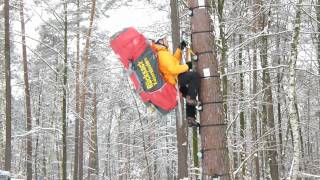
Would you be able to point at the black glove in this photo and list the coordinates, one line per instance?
(183, 44)
(189, 64)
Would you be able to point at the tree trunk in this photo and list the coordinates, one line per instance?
(36, 154)
(293, 113)
(279, 79)
(268, 114)
(76, 131)
(223, 60)
(7, 74)
(215, 153)
(318, 59)
(93, 140)
(254, 112)
(84, 89)
(181, 126)
(64, 98)
(242, 115)
(26, 93)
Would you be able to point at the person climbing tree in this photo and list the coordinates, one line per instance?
(172, 70)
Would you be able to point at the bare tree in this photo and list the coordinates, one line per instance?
(93, 139)
(76, 134)
(181, 125)
(293, 111)
(84, 89)
(26, 92)
(7, 74)
(267, 108)
(64, 97)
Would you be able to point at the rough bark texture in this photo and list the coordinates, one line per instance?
(215, 153)
(7, 76)
(182, 138)
(84, 89)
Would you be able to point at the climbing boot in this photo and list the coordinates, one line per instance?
(192, 122)
(191, 102)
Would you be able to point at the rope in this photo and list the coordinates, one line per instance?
(211, 149)
(212, 102)
(191, 9)
(204, 52)
(214, 76)
(213, 125)
(205, 31)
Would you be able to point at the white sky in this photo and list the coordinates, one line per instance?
(139, 15)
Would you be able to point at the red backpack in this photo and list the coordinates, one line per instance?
(141, 64)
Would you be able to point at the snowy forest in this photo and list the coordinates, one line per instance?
(69, 111)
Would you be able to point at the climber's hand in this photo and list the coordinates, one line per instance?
(189, 65)
(183, 44)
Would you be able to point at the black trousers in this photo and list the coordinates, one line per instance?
(189, 84)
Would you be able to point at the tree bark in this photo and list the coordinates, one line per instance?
(215, 154)
(181, 126)
(223, 60)
(76, 131)
(254, 111)
(268, 113)
(84, 89)
(7, 74)
(93, 140)
(293, 111)
(242, 115)
(64, 97)
(26, 93)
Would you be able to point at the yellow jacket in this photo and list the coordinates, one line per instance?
(169, 65)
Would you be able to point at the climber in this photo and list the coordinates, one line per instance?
(172, 70)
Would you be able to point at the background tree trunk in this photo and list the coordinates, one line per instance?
(64, 97)
(7, 74)
(293, 111)
(181, 125)
(242, 113)
(93, 139)
(76, 131)
(26, 93)
(268, 127)
(84, 89)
